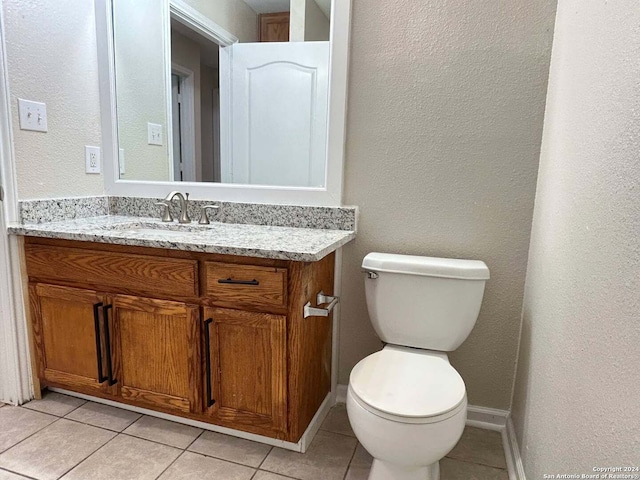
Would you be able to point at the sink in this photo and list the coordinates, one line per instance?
(153, 228)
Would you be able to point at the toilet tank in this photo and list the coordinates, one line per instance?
(423, 302)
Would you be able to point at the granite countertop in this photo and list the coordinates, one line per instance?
(264, 241)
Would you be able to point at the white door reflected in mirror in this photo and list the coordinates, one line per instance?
(227, 106)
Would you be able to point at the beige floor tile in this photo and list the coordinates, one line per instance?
(125, 458)
(192, 466)
(337, 421)
(230, 448)
(163, 431)
(4, 475)
(262, 475)
(54, 450)
(326, 459)
(457, 470)
(19, 423)
(478, 445)
(360, 465)
(55, 403)
(104, 416)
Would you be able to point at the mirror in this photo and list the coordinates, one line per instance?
(224, 91)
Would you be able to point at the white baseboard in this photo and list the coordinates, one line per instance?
(341, 393)
(489, 419)
(301, 446)
(512, 453)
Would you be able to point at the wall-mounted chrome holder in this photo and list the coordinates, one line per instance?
(321, 299)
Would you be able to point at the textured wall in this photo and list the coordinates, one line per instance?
(576, 404)
(54, 62)
(446, 103)
(141, 87)
(235, 16)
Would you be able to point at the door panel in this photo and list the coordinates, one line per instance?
(248, 369)
(158, 352)
(70, 352)
(273, 102)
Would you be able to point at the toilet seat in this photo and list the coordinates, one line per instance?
(408, 385)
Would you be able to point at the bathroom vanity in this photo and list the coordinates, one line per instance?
(185, 320)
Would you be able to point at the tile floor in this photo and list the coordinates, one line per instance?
(65, 437)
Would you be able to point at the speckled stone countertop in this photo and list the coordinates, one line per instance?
(264, 241)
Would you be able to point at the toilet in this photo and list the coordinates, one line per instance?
(407, 405)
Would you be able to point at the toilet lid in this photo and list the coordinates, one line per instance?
(408, 382)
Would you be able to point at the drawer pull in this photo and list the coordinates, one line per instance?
(321, 299)
(207, 356)
(107, 341)
(96, 323)
(239, 282)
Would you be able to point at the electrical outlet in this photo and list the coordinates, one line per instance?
(33, 115)
(154, 134)
(92, 159)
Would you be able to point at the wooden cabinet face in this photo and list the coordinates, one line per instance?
(274, 27)
(158, 352)
(246, 369)
(66, 321)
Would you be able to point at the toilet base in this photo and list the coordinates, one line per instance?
(381, 470)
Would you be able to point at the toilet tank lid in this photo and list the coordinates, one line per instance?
(426, 266)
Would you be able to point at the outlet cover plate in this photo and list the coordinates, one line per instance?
(92, 159)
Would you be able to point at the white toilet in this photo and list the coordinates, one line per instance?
(407, 405)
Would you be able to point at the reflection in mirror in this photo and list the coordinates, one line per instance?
(231, 91)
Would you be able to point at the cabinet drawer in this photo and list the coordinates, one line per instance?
(122, 271)
(232, 284)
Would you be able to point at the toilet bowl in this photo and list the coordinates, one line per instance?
(408, 409)
(407, 405)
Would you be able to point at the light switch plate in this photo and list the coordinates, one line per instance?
(33, 115)
(154, 134)
(92, 159)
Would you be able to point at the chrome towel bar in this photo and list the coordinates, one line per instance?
(321, 299)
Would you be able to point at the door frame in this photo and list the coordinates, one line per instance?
(187, 121)
(15, 369)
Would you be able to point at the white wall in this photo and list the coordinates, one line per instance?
(446, 102)
(235, 16)
(307, 23)
(316, 25)
(51, 51)
(576, 403)
(141, 86)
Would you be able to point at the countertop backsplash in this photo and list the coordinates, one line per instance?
(61, 209)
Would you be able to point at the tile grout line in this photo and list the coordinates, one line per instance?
(2, 469)
(353, 455)
(169, 466)
(475, 463)
(91, 454)
(57, 419)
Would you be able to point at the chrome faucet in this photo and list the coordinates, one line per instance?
(184, 205)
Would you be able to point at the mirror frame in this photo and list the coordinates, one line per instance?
(329, 195)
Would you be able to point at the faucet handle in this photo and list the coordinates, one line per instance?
(204, 218)
(166, 214)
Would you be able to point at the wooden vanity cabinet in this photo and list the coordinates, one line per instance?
(215, 338)
(69, 336)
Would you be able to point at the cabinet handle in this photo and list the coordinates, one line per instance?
(107, 341)
(96, 323)
(239, 282)
(207, 361)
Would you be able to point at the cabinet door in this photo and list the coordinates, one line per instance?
(70, 337)
(157, 362)
(245, 370)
